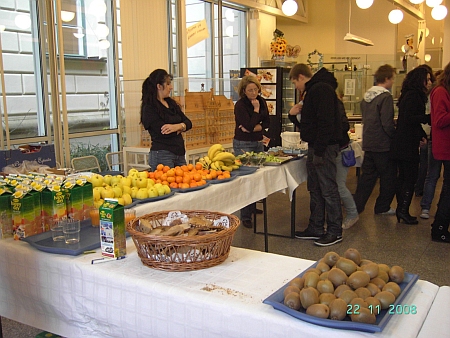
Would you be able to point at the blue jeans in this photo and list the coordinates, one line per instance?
(240, 147)
(429, 187)
(344, 193)
(165, 157)
(442, 218)
(324, 194)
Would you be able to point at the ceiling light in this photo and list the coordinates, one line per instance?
(357, 39)
(395, 16)
(103, 44)
(23, 21)
(364, 4)
(439, 12)
(101, 31)
(416, 2)
(289, 7)
(433, 3)
(427, 57)
(67, 16)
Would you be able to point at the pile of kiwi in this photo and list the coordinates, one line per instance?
(345, 286)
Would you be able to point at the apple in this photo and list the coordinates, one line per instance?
(126, 190)
(97, 180)
(132, 170)
(121, 201)
(142, 194)
(125, 181)
(166, 189)
(134, 191)
(98, 203)
(152, 192)
(141, 182)
(161, 190)
(157, 185)
(96, 192)
(143, 174)
(107, 179)
(127, 199)
(117, 192)
(107, 193)
(115, 180)
(150, 183)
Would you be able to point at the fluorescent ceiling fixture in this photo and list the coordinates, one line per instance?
(289, 7)
(395, 16)
(229, 15)
(23, 21)
(439, 12)
(433, 3)
(103, 44)
(229, 31)
(67, 16)
(416, 2)
(364, 4)
(427, 57)
(357, 39)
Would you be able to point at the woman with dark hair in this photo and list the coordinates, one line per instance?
(408, 136)
(440, 126)
(162, 117)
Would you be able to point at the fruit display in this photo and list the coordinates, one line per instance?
(346, 287)
(219, 159)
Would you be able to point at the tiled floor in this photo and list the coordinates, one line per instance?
(378, 238)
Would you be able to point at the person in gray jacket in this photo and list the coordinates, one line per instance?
(378, 131)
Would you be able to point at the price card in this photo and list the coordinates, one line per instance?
(222, 221)
(173, 215)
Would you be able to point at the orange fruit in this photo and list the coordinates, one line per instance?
(190, 166)
(173, 185)
(170, 173)
(186, 179)
(184, 168)
(197, 177)
(208, 177)
(193, 185)
(183, 185)
(206, 171)
(166, 168)
(170, 179)
(158, 175)
(220, 177)
(151, 174)
(165, 183)
(159, 167)
(179, 179)
(226, 174)
(202, 182)
(219, 172)
(164, 177)
(179, 172)
(158, 181)
(198, 166)
(213, 174)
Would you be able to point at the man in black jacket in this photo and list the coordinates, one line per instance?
(320, 126)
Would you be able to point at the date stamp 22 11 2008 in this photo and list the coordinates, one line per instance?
(393, 309)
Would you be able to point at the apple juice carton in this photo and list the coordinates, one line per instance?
(5, 212)
(88, 197)
(35, 191)
(112, 229)
(53, 204)
(23, 214)
(74, 199)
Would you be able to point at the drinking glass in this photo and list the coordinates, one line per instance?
(71, 229)
(56, 227)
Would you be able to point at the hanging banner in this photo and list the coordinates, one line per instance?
(197, 32)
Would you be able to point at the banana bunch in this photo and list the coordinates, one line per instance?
(219, 159)
(205, 162)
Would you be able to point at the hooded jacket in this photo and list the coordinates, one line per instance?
(378, 119)
(320, 123)
(440, 123)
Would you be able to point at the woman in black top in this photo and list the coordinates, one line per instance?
(252, 119)
(162, 117)
(408, 136)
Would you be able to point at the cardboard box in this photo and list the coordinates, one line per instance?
(112, 229)
(41, 153)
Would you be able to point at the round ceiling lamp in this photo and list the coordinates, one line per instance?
(101, 31)
(427, 57)
(433, 3)
(23, 21)
(395, 16)
(364, 4)
(439, 12)
(67, 16)
(289, 7)
(416, 2)
(103, 44)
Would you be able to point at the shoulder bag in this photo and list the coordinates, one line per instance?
(348, 157)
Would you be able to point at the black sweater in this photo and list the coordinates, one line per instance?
(153, 122)
(245, 116)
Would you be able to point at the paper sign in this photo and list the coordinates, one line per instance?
(349, 88)
(197, 32)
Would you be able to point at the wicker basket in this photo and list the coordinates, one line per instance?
(183, 253)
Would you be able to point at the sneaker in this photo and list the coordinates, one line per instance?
(328, 239)
(307, 234)
(425, 214)
(349, 222)
(390, 212)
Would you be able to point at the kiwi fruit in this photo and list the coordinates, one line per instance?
(331, 258)
(298, 282)
(324, 275)
(393, 288)
(318, 310)
(386, 298)
(376, 305)
(346, 265)
(325, 286)
(363, 292)
(364, 262)
(371, 269)
(364, 316)
(348, 295)
(378, 282)
(384, 267)
(358, 301)
(373, 288)
(338, 309)
(358, 279)
(312, 270)
(326, 298)
(353, 255)
(292, 301)
(383, 275)
(311, 279)
(291, 288)
(341, 288)
(337, 277)
(308, 297)
(323, 267)
(396, 274)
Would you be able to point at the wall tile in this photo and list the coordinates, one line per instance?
(18, 63)
(10, 42)
(91, 84)
(13, 84)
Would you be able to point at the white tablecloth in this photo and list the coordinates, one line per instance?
(438, 320)
(69, 296)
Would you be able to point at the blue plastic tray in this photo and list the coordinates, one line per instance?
(276, 300)
(89, 240)
(192, 189)
(216, 181)
(152, 199)
(244, 170)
